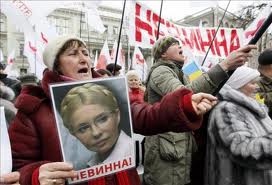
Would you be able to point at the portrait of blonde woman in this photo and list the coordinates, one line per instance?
(95, 114)
(91, 114)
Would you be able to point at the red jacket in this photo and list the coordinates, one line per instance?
(34, 138)
(136, 94)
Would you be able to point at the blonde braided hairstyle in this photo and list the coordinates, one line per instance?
(87, 94)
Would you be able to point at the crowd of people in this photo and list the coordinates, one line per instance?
(168, 109)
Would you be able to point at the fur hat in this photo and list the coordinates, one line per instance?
(53, 48)
(242, 76)
(265, 57)
(161, 46)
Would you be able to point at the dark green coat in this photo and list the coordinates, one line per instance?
(168, 156)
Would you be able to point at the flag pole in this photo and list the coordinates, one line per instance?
(158, 33)
(88, 32)
(35, 54)
(128, 55)
(215, 33)
(143, 71)
(80, 20)
(119, 37)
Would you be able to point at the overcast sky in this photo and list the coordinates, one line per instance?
(174, 9)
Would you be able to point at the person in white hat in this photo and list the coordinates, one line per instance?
(239, 146)
(33, 134)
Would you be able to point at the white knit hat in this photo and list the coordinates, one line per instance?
(242, 76)
(53, 48)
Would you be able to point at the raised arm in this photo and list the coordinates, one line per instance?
(175, 112)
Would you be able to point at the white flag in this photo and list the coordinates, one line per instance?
(8, 70)
(25, 14)
(5, 159)
(120, 57)
(1, 56)
(11, 57)
(139, 64)
(92, 16)
(33, 51)
(104, 57)
(252, 29)
(44, 33)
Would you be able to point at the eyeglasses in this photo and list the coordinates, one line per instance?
(99, 121)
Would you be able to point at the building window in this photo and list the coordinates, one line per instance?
(84, 26)
(2, 25)
(205, 23)
(23, 71)
(21, 47)
(115, 30)
(106, 28)
(61, 24)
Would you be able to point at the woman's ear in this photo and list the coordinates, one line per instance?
(118, 118)
(164, 55)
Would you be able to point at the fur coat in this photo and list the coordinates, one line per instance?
(239, 147)
(6, 97)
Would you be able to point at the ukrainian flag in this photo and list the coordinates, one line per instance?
(192, 70)
(259, 98)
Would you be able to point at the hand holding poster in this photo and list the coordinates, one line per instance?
(97, 114)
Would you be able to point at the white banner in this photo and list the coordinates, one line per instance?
(121, 59)
(33, 48)
(143, 25)
(252, 29)
(104, 57)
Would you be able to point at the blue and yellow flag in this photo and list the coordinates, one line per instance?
(259, 98)
(192, 70)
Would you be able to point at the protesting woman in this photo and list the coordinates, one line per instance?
(33, 133)
(239, 148)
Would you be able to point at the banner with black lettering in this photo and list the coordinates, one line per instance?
(143, 25)
(94, 126)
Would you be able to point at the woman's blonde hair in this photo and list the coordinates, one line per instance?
(87, 94)
(132, 73)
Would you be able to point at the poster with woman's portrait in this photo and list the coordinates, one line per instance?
(94, 126)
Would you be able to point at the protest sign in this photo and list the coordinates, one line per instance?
(94, 126)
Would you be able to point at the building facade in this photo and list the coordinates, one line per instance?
(67, 21)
